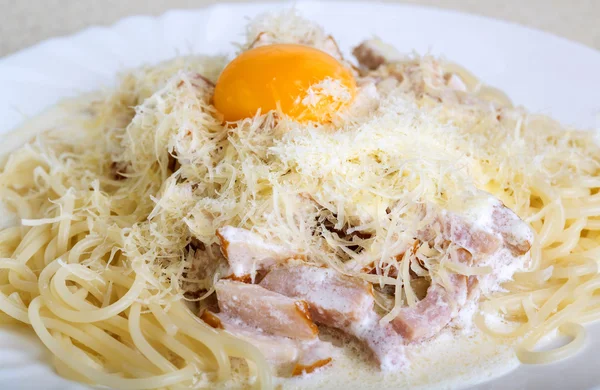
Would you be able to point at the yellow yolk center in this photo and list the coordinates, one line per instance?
(302, 82)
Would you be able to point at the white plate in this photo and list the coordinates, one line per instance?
(545, 73)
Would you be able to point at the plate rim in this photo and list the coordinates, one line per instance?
(99, 28)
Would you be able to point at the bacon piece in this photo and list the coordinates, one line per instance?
(367, 56)
(384, 342)
(482, 230)
(341, 302)
(247, 252)
(434, 312)
(280, 352)
(516, 234)
(485, 226)
(288, 356)
(459, 231)
(373, 53)
(269, 311)
(335, 300)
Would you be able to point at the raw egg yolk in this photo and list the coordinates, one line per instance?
(302, 82)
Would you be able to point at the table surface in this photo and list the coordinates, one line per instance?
(24, 23)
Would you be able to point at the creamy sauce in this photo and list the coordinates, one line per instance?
(456, 358)
(448, 361)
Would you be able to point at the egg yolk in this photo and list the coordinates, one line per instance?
(302, 82)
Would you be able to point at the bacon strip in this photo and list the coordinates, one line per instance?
(434, 312)
(516, 234)
(335, 300)
(481, 233)
(340, 302)
(286, 355)
(373, 53)
(247, 252)
(269, 311)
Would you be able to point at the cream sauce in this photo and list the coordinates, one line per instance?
(450, 360)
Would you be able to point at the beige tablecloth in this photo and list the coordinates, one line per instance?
(25, 22)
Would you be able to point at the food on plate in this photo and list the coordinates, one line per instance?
(294, 213)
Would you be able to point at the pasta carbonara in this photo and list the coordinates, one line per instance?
(189, 228)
